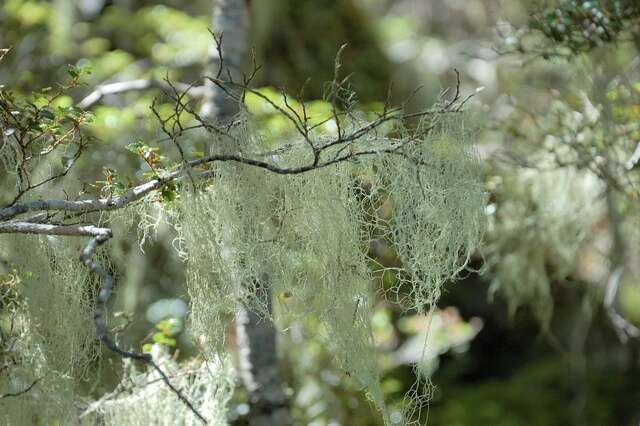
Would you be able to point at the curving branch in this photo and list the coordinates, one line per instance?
(99, 237)
(106, 285)
(86, 206)
(138, 192)
(623, 328)
(22, 392)
(101, 91)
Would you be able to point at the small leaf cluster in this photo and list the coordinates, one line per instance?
(149, 154)
(45, 118)
(165, 334)
(156, 162)
(584, 25)
(112, 185)
(36, 125)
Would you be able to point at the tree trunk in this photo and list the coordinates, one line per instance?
(256, 336)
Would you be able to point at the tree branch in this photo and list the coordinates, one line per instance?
(99, 237)
(139, 191)
(624, 329)
(22, 392)
(136, 85)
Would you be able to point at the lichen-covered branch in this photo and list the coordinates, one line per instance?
(138, 192)
(99, 237)
(311, 155)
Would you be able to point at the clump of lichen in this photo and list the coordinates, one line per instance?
(142, 398)
(55, 340)
(241, 229)
(536, 229)
(306, 236)
(438, 218)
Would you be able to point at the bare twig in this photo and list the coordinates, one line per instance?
(22, 392)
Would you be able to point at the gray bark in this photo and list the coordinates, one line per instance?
(230, 24)
(256, 335)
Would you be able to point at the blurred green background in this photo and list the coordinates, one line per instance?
(527, 339)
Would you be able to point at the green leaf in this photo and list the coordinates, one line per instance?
(169, 192)
(170, 326)
(46, 113)
(73, 72)
(160, 338)
(137, 147)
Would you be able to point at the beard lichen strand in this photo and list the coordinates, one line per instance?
(211, 269)
(328, 276)
(309, 235)
(58, 342)
(146, 400)
(435, 189)
(9, 155)
(545, 248)
(438, 209)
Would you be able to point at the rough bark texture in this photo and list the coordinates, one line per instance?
(256, 336)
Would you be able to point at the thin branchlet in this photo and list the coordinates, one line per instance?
(107, 281)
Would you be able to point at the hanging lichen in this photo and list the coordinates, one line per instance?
(306, 236)
(142, 398)
(438, 220)
(9, 155)
(57, 341)
(537, 227)
(324, 269)
(242, 228)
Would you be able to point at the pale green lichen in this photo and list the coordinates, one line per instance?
(438, 219)
(57, 341)
(306, 236)
(9, 155)
(537, 228)
(142, 398)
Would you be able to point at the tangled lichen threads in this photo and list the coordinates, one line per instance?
(438, 208)
(307, 237)
(225, 229)
(9, 155)
(349, 334)
(144, 399)
(58, 342)
(329, 276)
(212, 278)
(559, 205)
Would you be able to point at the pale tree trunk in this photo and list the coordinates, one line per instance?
(231, 26)
(256, 336)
